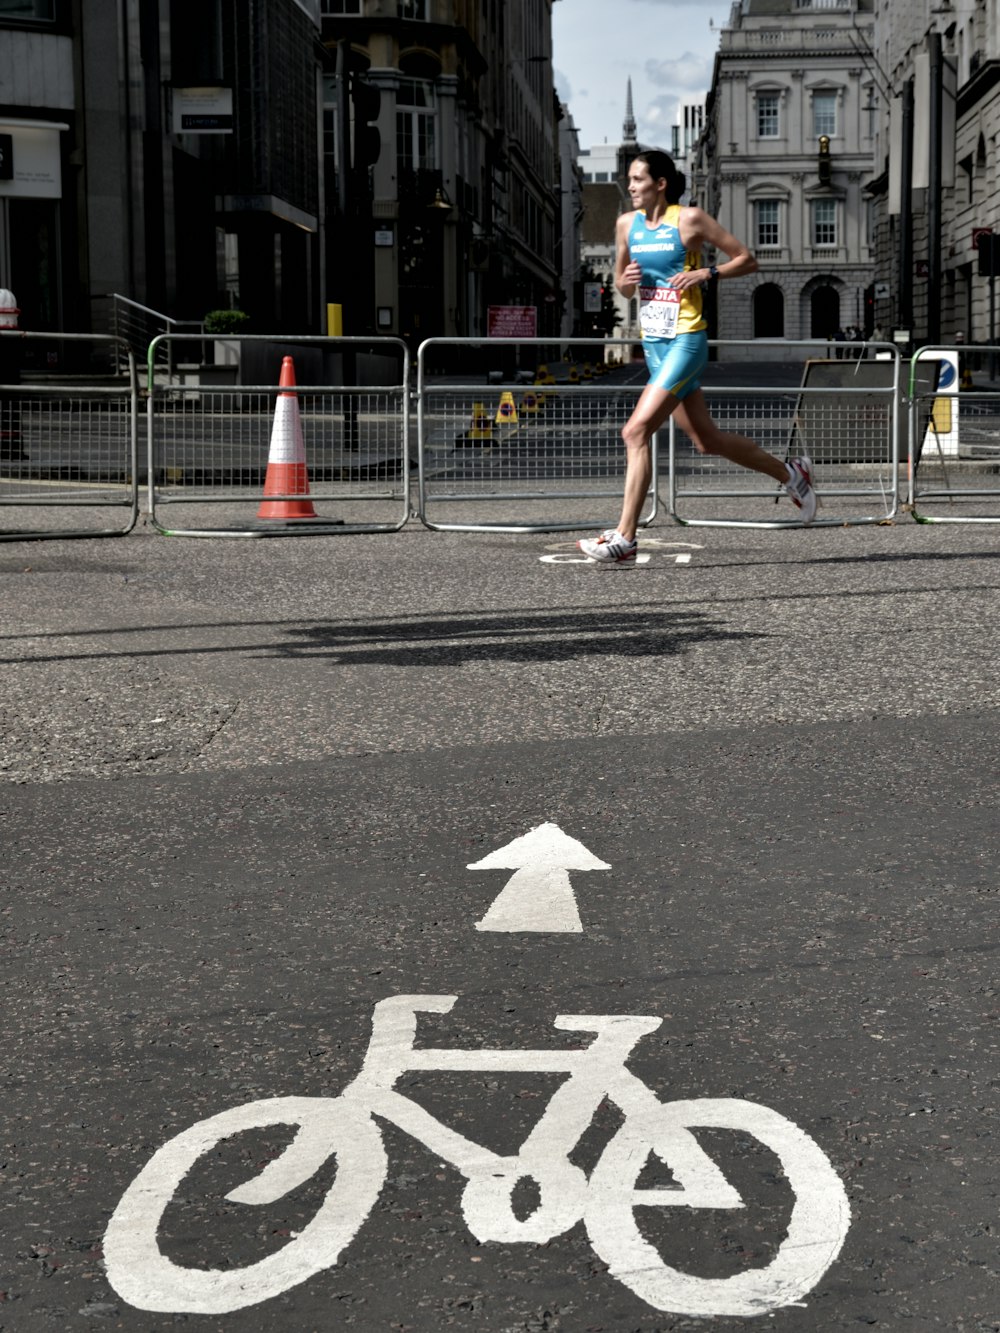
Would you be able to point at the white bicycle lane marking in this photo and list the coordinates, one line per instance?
(347, 1127)
(539, 896)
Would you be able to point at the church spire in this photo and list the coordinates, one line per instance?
(628, 128)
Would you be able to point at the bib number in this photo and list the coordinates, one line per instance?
(659, 310)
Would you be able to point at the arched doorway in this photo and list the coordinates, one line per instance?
(768, 311)
(824, 309)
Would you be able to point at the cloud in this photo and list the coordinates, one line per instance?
(655, 125)
(690, 73)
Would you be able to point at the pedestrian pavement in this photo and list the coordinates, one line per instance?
(258, 793)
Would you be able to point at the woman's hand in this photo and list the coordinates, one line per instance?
(691, 277)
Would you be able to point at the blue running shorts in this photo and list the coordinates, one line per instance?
(675, 364)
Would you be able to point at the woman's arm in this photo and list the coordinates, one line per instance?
(698, 229)
(627, 273)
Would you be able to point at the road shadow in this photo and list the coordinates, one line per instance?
(452, 639)
(553, 637)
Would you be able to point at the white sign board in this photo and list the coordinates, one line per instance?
(202, 110)
(34, 169)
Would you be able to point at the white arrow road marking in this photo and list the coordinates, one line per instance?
(539, 896)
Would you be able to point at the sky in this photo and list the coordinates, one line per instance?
(666, 46)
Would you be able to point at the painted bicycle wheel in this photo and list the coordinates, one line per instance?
(145, 1277)
(816, 1230)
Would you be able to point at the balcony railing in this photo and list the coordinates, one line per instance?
(788, 38)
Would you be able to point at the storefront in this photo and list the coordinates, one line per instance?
(30, 202)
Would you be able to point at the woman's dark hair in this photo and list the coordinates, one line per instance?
(661, 166)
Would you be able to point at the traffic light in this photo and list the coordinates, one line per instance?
(824, 164)
(366, 99)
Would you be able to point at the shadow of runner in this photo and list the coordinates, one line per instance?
(547, 638)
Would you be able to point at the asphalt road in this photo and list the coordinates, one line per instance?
(260, 795)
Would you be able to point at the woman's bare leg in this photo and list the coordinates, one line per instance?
(651, 411)
(694, 417)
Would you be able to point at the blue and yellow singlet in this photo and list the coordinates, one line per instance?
(664, 312)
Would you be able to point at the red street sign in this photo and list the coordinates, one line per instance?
(512, 321)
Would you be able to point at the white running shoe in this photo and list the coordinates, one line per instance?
(800, 487)
(609, 548)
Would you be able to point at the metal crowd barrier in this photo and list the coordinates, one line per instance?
(68, 435)
(955, 436)
(212, 433)
(519, 424)
(846, 414)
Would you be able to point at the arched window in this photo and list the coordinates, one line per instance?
(769, 311)
(824, 309)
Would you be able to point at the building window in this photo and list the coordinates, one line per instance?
(767, 229)
(34, 11)
(824, 312)
(412, 9)
(330, 119)
(823, 4)
(416, 125)
(198, 61)
(335, 8)
(769, 311)
(767, 115)
(824, 114)
(824, 223)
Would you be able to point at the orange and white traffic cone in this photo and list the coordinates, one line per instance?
(286, 462)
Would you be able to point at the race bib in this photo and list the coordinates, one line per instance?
(659, 308)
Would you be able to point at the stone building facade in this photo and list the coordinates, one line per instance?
(458, 209)
(937, 188)
(184, 145)
(399, 158)
(792, 83)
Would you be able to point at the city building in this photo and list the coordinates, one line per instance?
(454, 208)
(162, 150)
(936, 192)
(605, 168)
(685, 133)
(570, 217)
(398, 158)
(788, 148)
(39, 162)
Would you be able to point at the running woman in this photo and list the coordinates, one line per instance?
(658, 254)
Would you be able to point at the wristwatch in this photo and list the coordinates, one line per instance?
(713, 272)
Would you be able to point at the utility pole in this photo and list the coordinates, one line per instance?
(905, 278)
(934, 192)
